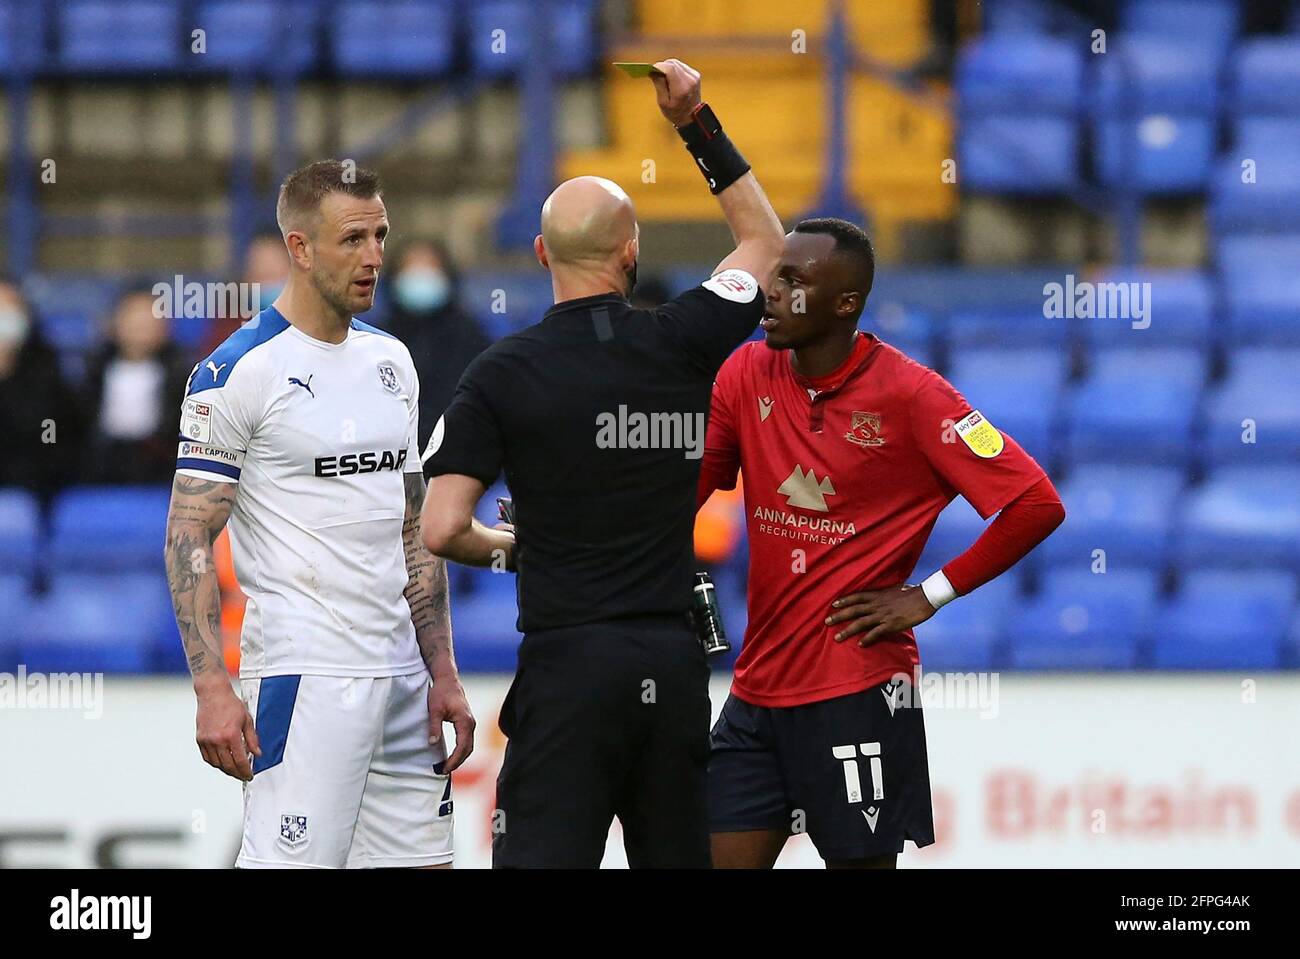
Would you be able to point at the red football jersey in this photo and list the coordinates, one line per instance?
(841, 491)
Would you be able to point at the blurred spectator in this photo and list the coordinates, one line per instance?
(441, 336)
(38, 414)
(134, 386)
(267, 265)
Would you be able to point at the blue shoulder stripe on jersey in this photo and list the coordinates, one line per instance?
(208, 466)
(215, 370)
(275, 698)
(367, 328)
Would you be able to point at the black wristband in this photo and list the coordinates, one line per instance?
(715, 154)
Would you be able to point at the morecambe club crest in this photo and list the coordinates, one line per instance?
(864, 429)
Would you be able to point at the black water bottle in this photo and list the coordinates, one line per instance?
(707, 617)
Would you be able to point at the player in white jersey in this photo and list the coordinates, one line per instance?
(300, 429)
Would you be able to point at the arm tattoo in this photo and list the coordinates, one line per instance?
(199, 509)
(426, 584)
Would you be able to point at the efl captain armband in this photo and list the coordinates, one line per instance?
(716, 155)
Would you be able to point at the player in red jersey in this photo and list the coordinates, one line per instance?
(850, 450)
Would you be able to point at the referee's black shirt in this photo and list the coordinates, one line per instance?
(569, 409)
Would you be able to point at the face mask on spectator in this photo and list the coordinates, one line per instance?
(422, 289)
(14, 324)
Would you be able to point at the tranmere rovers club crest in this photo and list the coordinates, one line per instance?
(388, 377)
(293, 829)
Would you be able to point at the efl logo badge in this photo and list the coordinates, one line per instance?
(293, 830)
(388, 378)
(864, 429)
(980, 435)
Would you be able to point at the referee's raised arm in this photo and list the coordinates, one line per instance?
(754, 225)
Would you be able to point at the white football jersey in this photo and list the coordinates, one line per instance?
(317, 435)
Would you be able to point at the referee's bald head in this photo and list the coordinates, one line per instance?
(588, 227)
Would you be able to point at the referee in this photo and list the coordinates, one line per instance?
(595, 415)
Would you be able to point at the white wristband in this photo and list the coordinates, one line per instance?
(938, 590)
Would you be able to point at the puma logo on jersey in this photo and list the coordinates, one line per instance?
(294, 381)
(216, 370)
(805, 491)
(765, 404)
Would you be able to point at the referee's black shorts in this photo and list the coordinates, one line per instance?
(606, 719)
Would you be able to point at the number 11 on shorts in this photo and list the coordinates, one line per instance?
(852, 783)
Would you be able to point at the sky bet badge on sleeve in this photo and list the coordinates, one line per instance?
(980, 435)
(638, 69)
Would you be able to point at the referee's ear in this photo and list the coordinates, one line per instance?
(539, 249)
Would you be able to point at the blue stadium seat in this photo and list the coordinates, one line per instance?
(1127, 511)
(1019, 97)
(94, 623)
(1243, 253)
(911, 331)
(123, 36)
(1263, 303)
(956, 528)
(414, 39)
(484, 627)
(1263, 195)
(1266, 77)
(1263, 385)
(1179, 311)
(20, 531)
(258, 36)
(22, 37)
(1209, 23)
(1136, 406)
(1225, 620)
(1241, 516)
(573, 36)
(1012, 327)
(70, 307)
(506, 303)
(100, 529)
(1018, 390)
(969, 634)
(1154, 115)
(1019, 16)
(1081, 620)
(15, 601)
(1291, 645)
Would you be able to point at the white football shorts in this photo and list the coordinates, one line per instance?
(347, 778)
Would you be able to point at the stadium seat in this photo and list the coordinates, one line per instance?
(258, 36)
(1263, 386)
(411, 39)
(1225, 620)
(1018, 390)
(503, 53)
(956, 528)
(1266, 77)
(484, 627)
(70, 307)
(1126, 511)
(22, 37)
(99, 529)
(124, 36)
(1179, 311)
(1263, 303)
(911, 331)
(1208, 23)
(1135, 406)
(1257, 188)
(1243, 253)
(507, 303)
(1018, 102)
(1081, 620)
(1241, 516)
(95, 623)
(1019, 16)
(999, 328)
(1154, 115)
(15, 600)
(969, 634)
(20, 531)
